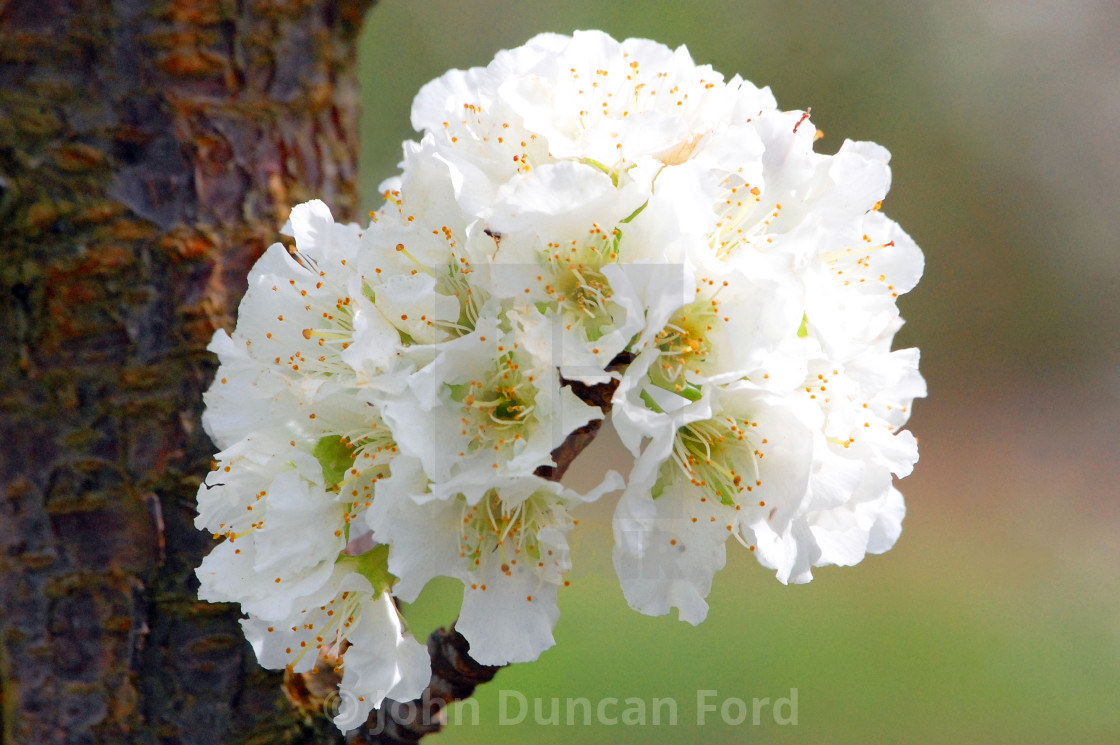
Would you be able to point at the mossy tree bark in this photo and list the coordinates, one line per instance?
(149, 151)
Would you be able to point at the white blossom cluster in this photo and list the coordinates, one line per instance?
(579, 210)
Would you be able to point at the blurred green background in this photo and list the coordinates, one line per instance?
(996, 618)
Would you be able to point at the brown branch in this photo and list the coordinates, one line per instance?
(597, 395)
(454, 678)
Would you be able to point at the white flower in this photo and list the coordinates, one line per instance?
(556, 230)
(579, 212)
(489, 407)
(507, 544)
(736, 465)
(294, 323)
(615, 103)
(283, 530)
(346, 618)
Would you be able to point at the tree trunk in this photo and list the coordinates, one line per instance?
(149, 151)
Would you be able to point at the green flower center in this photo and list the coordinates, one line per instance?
(354, 462)
(715, 454)
(685, 344)
(577, 284)
(498, 409)
(508, 533)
